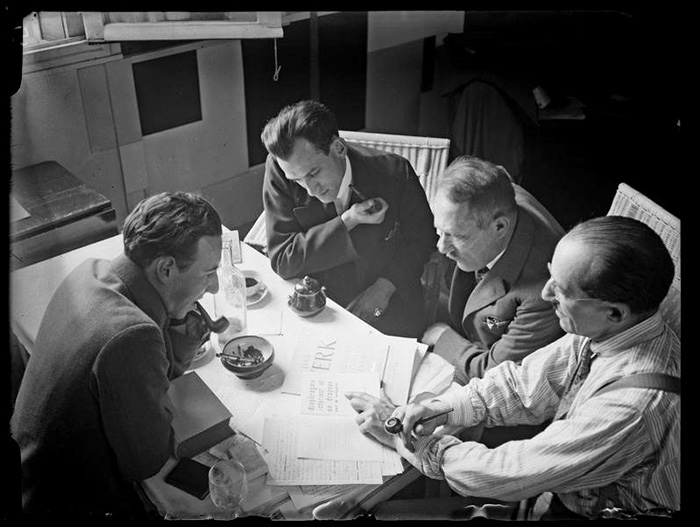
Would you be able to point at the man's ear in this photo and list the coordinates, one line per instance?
(165, 269)
(618, 312)
(339, 147)
(501, 224)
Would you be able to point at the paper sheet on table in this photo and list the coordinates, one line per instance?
(281, 439)
(322, 393)
(243, 450)
(262, 497)
(264, 321)
(398, 369)
(304, 496)
(334, 353)
(242, 404)
(432, 373)
(339, 438)
(391, 462)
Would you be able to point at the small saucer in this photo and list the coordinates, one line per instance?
(257, 297)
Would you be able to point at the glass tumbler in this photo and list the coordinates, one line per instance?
(228, 486)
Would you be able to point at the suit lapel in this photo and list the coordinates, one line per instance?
(507, 269)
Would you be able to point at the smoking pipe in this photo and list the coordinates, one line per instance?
(217, 326)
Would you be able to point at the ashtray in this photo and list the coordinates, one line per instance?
(248, 356)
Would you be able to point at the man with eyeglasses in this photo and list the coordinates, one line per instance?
(611, 387)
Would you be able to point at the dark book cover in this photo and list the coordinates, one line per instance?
(200, 419)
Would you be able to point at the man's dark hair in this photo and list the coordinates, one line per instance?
(483, 187)
(631, 264)
(309, 120)
(170, 223)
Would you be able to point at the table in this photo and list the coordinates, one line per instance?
(32, 287)
(56, 213)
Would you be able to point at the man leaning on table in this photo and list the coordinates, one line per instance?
(501, 242)
(619, 449)
(91, 417)
(369, 259)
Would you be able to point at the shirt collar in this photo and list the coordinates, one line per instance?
(490, 265)
(645, 330)
(343, 198)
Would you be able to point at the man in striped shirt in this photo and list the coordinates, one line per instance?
(619, 449)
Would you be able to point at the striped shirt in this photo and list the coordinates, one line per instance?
(627, 439)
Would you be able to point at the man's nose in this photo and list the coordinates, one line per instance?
(442, 245)
(213, 286)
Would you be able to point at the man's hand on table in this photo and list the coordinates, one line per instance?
(375, 297)
(372, 412)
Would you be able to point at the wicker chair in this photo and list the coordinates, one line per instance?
(428, 157)
(632, 203)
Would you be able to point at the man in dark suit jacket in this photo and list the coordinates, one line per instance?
(500, 238)
(92, 415)
(366, 246)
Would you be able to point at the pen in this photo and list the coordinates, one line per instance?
(393, 424)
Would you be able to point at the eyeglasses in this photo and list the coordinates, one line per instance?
(558, 294)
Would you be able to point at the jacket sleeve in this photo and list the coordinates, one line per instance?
(294, 251)
(131, 383)
(535, 325)
(418, 237)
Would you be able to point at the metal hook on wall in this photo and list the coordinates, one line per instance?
(276, 75)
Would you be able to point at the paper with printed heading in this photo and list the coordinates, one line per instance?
(281, 439)
(323, 393)
(325, 352)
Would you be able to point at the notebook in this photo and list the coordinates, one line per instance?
(200, 419)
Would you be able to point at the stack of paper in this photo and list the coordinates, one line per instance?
(324, 445)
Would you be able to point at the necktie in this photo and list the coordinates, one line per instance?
(479, 275)
(582, 369)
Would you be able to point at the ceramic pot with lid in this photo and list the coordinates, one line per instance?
(309, 297)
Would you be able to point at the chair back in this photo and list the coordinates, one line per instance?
(427, 155)
(632, 203)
